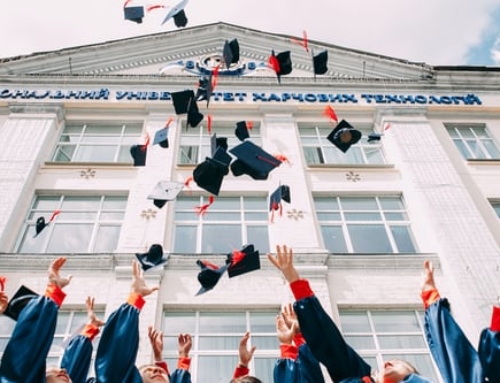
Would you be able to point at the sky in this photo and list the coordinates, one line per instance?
(435, 32)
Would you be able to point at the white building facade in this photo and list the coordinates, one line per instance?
(360, 223)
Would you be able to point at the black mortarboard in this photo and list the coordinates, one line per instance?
(20, 299)
(252, 160)
(134, 14)
(210, 173)
(194, 117)
(205, 88)
(178, 14)
(209, 275)
(281, 63)
(231, 52)
(181, 100)
(138, 153)
(344, 135)
(320, 62)
(40, 225)
(281, 193)
(241, 130)
(374, 137)
(153, 258)
(165, 191)
(217, 142)
(161, 137)
(243, 261)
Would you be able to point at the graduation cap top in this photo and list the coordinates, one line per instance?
(139, 153)
(252, 160)
(209, 275)
(178, 14)
(165, 191)
(231, 52)
(153, 258)
(134, 14)
(17, 303)
(241, 131)
(344, 135)
(161, 136)
(210, 173)
(320, 62)
(185, 102)
(243, 261)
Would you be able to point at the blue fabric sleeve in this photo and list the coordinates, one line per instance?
(326, 342)
(457, 360)
(24, 359)
(286, 371)
(489, 354)
(117, 350)
(310, 371)
(77, 357)
(180, 376)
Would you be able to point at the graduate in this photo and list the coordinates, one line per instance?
(456, 358)
(343, 363)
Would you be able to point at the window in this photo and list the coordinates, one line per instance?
(229, 223)
(86, 224)
(69, 323)
(97, 142)
(474, 142)
(496, 207)
(381, 335)
(318, 150)
(195, 142)
(364, 225)
(216, 337)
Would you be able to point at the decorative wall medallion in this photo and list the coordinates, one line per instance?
(149, 213)
(295, 214)
(87, 173)
(351, 176)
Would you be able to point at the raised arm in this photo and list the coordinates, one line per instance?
(489, 347)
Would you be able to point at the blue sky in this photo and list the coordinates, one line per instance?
(435, 32)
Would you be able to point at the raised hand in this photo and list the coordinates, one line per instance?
(285, 333)
(93, 319)
(139, 285)
(4, 301)
(428, 282)
(290, 317)
(184, 342)
(245, 354)
(156, 340)
(53, 273)
(284, 262)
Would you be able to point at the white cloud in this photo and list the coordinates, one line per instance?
(438, 32)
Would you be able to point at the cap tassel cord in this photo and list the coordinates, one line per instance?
(268, 160)
(202, 210)
(2, 283)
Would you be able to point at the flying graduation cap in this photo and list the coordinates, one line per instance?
(343, 136)
(185, 102)
(161, 135)
(133, 13)
(320, 62)
(205, 88)
(282, 193)
(153, 258)
(372, 137)
(241, 130)
(253, 161)
(280, 63)
(165, 191)
(243, 261)
(231, 52)
(139, 152)
(19, 301)
(209, 275)
(42, 224)
(209, 174)
(178, 14)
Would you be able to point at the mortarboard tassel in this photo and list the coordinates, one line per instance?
(269, 161)
(276, 206)
(237, 257)
(146, 143)
(304, 43)
(387, 126)
(249, 125)
(273, 63)
(202, 210)
(156, 6)
(215, 76)
(54, 214)
(209, 124)
(282, 158)
(330, 113)
(2, 283)
(209, 265)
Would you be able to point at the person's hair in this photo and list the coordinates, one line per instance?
(415, 371)
(246, 379)
(142, 367)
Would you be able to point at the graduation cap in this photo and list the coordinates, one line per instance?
(209, 174)
(138, 153)
(17, 303)
(153, 258)
(281, 63)
(252, 160)
(281, 193)
(178, 14)
(161, 137)
(231, 52)
(243, 261)
(42, 224)
(320, 62)
(185, 102)
(134, 14)
(241, 130)
(217, 142)
(205, 88)
(372, 137)
(165, 191)
(344, 135)
(209, 275)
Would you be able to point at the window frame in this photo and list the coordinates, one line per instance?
(462, 143)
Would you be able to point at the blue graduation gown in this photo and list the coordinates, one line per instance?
(76, 359)
(24, 359)
(305, 369)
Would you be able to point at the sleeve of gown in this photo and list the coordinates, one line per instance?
(78, 354)
(310, 370)
(24, 359)
(117, 350)
(181, 374)
(489, 348)
(454, 355)
(324, 338)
